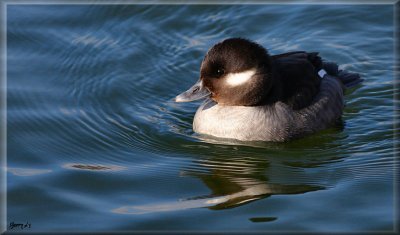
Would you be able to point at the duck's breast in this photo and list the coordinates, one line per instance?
(265, 123)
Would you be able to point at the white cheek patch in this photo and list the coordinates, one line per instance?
(235, 79)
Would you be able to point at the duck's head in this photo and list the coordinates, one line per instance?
(235, 71)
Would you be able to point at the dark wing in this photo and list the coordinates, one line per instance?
(297, 73)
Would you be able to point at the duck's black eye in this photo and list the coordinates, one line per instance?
(220, 72)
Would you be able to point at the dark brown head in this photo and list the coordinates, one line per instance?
(235, 71)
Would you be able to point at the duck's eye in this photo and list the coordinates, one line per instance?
(220, 72)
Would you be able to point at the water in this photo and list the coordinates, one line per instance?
(95, 142)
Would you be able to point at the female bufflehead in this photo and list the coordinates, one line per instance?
(253, 96)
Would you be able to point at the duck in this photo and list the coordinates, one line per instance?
(251, 95)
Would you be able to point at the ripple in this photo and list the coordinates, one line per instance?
(89, 167)
(27, 171)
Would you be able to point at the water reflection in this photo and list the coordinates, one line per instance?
(233, 181)
(240, 180)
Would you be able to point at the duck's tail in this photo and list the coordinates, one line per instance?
(348, 79)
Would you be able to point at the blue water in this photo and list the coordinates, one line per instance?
(96, 143)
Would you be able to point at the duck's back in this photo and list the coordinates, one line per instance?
(297, 73)
(277, 122)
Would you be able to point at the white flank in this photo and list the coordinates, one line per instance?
(235, 79)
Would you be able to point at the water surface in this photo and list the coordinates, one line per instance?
(96, 143)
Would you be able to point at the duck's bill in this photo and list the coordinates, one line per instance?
(196, 92)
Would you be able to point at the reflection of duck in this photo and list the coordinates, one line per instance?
(236, 182)
(233, 182)
(257, 97)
